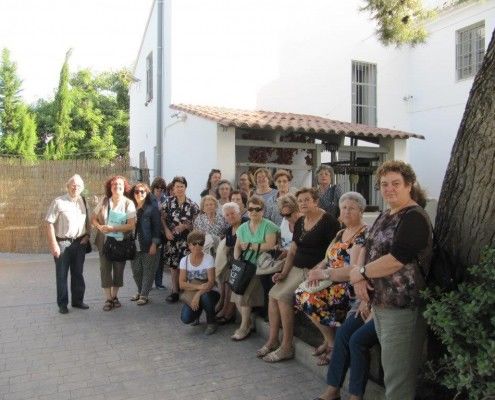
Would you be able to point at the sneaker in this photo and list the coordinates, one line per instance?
(160, 287)
(210, 329)
(63, 310)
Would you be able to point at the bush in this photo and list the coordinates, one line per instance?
(464, 322)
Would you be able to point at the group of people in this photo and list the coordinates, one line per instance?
(358, 285)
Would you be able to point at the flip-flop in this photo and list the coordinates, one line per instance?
(321, 349)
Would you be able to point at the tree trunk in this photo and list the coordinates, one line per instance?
(465, 221)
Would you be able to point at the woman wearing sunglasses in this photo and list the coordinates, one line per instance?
(260, 234)
(148, 237)
(197, 280)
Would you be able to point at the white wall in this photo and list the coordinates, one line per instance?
(190, 151)
(438, 102)
(143, 117)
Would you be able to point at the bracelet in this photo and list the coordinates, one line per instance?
(326, 273)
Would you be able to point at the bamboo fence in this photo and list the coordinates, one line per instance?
(28, 188)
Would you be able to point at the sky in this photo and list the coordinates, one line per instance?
(104, 35)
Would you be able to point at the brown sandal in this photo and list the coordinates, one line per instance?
(108, 305)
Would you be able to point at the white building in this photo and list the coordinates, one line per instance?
(318, 58)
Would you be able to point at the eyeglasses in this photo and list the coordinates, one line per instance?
(139, 191)
(202, 243)
(286, 215)
(257, 209)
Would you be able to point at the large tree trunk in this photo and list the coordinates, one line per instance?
(465, 221)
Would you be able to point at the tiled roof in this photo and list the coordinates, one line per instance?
(289, 122)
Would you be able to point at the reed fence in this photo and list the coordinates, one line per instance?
(28, 188)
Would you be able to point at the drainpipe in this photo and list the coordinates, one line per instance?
(159, 85)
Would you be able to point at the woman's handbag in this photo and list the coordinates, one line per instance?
(187, 295)
(242, 272)
(268, 263)
(119, 250)
(322, 284)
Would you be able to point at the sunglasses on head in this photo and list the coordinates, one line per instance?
(200, 243)
(141, 191)
(257, 209)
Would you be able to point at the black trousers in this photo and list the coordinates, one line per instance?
(72, 255)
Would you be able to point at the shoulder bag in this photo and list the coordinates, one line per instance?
(268, 263)
(242, 272)
(119, 250)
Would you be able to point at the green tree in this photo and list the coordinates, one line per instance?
(64, 142)
(17, 125)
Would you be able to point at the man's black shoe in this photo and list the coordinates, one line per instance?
(63, 310)
(82, 306)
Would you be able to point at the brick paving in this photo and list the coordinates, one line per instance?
(129, 353)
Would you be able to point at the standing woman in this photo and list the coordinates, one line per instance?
(245, 184)
(312, 234)
(224, 189)
(260, 234)
(211, 184)
(282, 179)
(159, 194)
(263, 180)
(148, 227)
(399, 245)
(178, 213)
(114, 216)
(329, 193)
(210, 220)
(241, 199)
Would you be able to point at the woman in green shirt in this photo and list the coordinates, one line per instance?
(262, 234)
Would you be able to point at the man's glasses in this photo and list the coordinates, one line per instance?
(200, 243)
(257, 209)
(139, 191)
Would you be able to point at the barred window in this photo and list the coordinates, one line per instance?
(470, 50)
(149, 78)
(364, 93)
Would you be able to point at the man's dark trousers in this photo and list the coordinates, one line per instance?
(72, 255)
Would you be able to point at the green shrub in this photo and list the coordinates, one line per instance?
(464, 321)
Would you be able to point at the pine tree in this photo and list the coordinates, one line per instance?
(64, 143)
(10, 101)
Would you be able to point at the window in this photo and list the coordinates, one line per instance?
(364, 93)
(149, 78)
(469, 50)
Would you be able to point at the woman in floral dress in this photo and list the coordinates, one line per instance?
(178, 214)
(328, 307)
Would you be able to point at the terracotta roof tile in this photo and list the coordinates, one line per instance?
(289, 122)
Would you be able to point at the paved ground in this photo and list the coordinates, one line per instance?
(130, 353)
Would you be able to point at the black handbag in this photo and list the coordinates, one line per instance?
(119, 250)
(242, 272)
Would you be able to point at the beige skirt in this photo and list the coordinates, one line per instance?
(252, 297)
(284, 290)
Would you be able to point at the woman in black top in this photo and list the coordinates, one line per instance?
(312, 234)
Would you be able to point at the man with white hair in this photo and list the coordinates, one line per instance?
(68, 234)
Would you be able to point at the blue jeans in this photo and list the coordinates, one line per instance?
(353, 341)
(71, 258)
(207, 303)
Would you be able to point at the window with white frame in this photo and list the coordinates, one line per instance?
(469, 50)
(149, 78)
(364, 93)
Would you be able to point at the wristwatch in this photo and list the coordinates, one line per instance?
(362, 271)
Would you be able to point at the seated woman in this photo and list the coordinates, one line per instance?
(197, 280)
(289, 210)
(260, 234)
(209, 220)
(353, 341)
(312, 234)
(148, 237)
(328, 307)
(223, 262)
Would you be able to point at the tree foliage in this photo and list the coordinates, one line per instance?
(17, 125)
